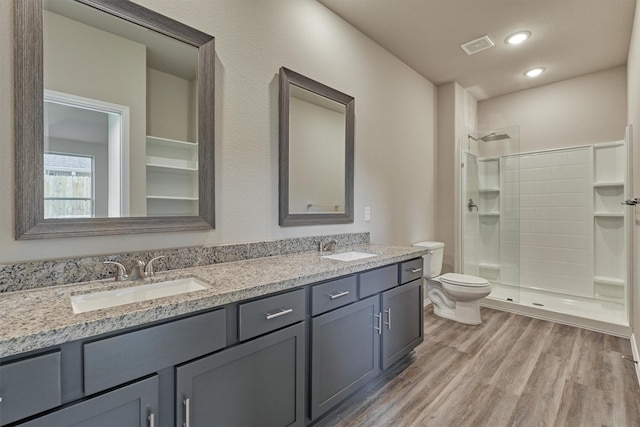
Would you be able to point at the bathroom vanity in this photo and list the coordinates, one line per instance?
(273, 341)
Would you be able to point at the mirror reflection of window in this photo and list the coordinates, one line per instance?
(316, 153)
(69, 182)
(85, 128)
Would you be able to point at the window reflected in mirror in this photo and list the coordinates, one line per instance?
(69, 182)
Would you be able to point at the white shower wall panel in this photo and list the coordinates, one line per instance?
(556, 222)
(510, 221)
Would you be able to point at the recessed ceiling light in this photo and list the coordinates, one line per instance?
(534, 72)
(517, 38)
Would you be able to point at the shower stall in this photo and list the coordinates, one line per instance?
(547, 228)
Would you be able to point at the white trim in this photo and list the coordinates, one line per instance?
(636, 355)
(426, 302)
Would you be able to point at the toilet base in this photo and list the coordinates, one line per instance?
(464, 312)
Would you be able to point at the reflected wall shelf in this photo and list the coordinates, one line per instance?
(172, 177)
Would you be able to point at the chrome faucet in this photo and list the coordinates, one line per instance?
(329, 246)
(140, 270)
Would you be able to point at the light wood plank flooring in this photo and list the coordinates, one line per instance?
(509, 371)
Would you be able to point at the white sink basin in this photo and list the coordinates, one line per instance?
(349, 256)
(97, 300)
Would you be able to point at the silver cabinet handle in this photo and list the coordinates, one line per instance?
(379, 328)
(416, 270)
(339, 294)
(279, 313)
(152, 419)
(388, 323)
(187, 412)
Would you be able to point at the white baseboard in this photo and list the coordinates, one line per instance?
(427, 301)
(636, 355)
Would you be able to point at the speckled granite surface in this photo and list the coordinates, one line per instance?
(39, 318)
(38, 274)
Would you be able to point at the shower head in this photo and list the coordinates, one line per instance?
(494, 137)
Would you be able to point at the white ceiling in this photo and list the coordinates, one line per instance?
(569, 38)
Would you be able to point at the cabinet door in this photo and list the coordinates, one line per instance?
(134, 405)
(345, 348)
(403, 328)
(258, 383)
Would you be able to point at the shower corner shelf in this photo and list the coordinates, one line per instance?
(608, 184)
(489, 266)
(608, 214)
(489, 190)
(489, 213)
(609, 280)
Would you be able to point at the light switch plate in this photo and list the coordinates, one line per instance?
(367, 214)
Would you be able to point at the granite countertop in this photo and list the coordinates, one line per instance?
(39, 318)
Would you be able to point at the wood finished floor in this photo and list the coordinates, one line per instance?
(509, 371)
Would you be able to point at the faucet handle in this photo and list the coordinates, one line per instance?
(330, 245)
(122, 271)
(148, 269)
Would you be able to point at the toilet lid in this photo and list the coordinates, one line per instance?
(463, 279)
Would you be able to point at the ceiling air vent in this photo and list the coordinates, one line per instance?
(475, 46)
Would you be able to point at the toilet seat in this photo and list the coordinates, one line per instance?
(463, 280)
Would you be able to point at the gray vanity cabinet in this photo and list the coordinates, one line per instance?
(30, 386)
(344, 353)
(134, 405)
(256, 383)
(280, 360)
(402, 322)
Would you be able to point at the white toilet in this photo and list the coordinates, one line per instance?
(454, 296)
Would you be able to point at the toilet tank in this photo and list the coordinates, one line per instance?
(432, 262)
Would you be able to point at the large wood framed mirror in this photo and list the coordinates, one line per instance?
(316, 152)
(114, 120)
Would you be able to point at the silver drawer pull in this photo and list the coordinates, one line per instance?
(388, 311)
(187, 412)
(379, 328)
(338, 295)
(280, 313)
(416, 270)
(152, 420)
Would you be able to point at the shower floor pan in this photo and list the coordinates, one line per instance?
(597, 315)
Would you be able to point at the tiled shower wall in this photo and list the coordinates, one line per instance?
(556, 231)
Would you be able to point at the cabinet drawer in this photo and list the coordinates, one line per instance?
(116, 360)
(29, 386)
(378, 280)
(411, 270)
(271, 313)
(333, 294)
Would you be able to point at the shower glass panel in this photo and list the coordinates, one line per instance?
(490, 217)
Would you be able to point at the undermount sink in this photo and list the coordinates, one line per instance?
(349, 256)
(94, 301)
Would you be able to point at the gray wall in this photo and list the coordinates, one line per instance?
(394, 133)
